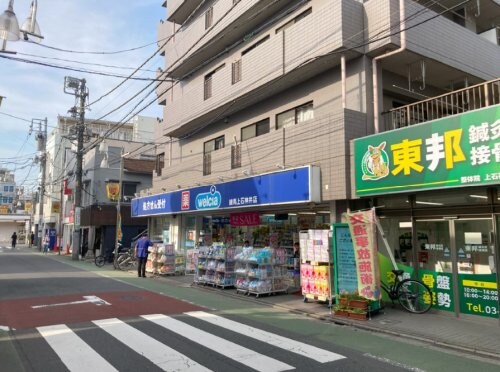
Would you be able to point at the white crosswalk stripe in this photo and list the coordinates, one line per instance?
(308, 351)
(73, 351)
(229, 349)
(163, 356)
(78, 356)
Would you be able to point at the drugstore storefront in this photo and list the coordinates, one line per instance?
(436, 189)
(251, 208)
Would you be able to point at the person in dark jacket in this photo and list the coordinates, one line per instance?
(14, 240)
(141, 252)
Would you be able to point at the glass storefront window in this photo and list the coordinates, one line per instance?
(452, 198)
(160, 229)
(393, 201)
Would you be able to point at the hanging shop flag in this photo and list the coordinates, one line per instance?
(362, 227)
(28, 207)
(67, 190)
(119, 234)
(113, 190)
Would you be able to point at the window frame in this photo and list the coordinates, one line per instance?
(295, 112)
(218, 143)
(259, 124)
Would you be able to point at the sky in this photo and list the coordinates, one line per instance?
(33, 91)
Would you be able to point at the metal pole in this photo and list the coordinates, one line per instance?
(118, 207)
(42, 143)
(79, 173)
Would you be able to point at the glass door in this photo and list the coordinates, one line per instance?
(476, 276)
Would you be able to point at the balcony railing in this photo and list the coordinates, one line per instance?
(459, 101)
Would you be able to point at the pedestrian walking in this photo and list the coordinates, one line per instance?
(14, 240)
(45, 243)
(141, 252)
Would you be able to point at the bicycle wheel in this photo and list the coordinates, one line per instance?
(414, 296)
(124, 262)
(99, 261)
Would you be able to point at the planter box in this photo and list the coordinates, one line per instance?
(358, 316)
(341, 313)
(343, 301)
(359, 304)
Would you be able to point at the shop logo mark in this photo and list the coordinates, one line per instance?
(209, 200)
(375, 163)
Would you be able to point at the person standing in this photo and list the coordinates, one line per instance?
(141, 252)
(14, 240)
(46, 242)
(32, 239)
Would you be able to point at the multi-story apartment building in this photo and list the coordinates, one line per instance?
(60, 164)
(263, 99)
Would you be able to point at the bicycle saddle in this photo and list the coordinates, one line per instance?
(398, 272)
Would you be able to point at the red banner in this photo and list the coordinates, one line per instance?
(363, 232)
(67, 190)
(245, 219)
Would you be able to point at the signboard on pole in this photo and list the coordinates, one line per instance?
(77, 218)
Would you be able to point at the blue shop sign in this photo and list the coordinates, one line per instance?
(297, 185)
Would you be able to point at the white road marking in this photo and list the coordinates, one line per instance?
(163, 356)
(73, 351)
(229, 349)
(308, 351)
(88, 299)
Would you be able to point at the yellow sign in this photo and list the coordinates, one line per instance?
(113, 190)
(56, 207)
(28, 206)
(4, 209)
(478, 284)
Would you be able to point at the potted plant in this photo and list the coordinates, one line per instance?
(358, 314)
(358, 302)
(341, 311)
(343, 299)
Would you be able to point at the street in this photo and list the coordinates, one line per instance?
(61, 316)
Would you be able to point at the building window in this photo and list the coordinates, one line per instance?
(129, 190)
(209, 18)
(207, 87)
(160, 163)
(294, 21)
(236, 72)
(255, 129)
(296, 115)
(207, 164)
(212, 145)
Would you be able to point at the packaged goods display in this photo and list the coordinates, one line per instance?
(215, 265)
(163, 260)
(261, 270)
(316, 265)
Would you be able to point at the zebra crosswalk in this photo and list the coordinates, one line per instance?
(235, 343)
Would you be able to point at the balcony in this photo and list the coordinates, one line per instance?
(284, 60)
(203, 39)
(179, 10)
(454, 103)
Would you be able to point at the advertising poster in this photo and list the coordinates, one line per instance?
(478, 294)
(441, 286)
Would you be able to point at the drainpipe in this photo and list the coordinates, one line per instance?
(343, 73)
(402, 25)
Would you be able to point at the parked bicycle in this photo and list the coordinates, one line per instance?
(413, 295)
(101, 259)
(127, 260)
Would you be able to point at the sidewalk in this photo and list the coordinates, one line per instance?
(476, 336)
(479, 337)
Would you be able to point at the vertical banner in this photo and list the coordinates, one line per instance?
(119, 227)
(363, 232)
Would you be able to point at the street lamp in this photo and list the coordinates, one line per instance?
(9, 26)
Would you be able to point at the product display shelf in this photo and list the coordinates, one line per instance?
(261, 271)
(215, 266)
(316, 266)
(161, 260)
(191, 260)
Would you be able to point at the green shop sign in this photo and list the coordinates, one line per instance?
(478, 294)
(462, 150)
(441, 287)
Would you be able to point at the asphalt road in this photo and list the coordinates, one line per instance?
(60, 317)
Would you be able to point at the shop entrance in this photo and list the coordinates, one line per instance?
(457, 260)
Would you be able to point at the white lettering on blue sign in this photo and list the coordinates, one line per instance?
(154, 205)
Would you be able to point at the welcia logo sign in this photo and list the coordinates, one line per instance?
(375, 163)
(209, 200)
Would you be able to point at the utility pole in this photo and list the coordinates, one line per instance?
(77, 88)
(118, 207)
(41, 138)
